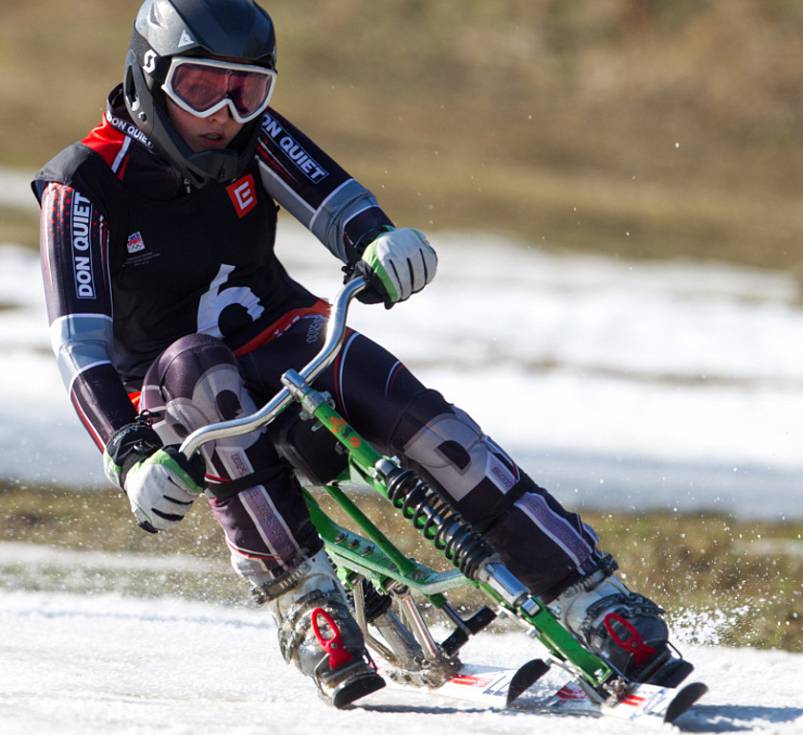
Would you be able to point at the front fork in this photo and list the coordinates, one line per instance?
(379, 561)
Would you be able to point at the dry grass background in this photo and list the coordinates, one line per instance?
(645, 128)
(742, 577)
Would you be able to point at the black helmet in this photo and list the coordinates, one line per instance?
(235, 30)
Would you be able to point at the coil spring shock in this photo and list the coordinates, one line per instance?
(437, 521)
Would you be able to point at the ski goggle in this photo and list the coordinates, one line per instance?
(204, 86)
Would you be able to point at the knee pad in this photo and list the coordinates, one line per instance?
(194, 382)
(451, 448)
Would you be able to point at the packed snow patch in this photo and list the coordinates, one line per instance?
(78, 664)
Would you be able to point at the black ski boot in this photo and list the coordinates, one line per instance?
(622, 627)
(319, 635)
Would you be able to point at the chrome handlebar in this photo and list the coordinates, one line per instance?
(335, 335)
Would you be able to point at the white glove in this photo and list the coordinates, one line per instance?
(160, 482)
(398, 264)
(162, 488)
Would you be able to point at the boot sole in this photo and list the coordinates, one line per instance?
(353, 690)
(671, 674)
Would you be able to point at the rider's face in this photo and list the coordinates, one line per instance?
(204, 133)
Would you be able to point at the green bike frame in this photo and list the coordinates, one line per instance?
(370, 554)
(376, 558)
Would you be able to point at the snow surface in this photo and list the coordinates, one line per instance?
(616, 384)
(100, 664)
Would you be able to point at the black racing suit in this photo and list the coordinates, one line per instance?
(155, 286)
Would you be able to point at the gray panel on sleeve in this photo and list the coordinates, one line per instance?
(285, 196)
(342, 205)
(80, 341)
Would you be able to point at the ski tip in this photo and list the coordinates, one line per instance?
(683, 701)
(524, 678)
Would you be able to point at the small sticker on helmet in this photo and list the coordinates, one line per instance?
(149, 61)
(185, 40)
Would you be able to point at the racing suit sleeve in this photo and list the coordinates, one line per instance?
(74, 241)
(300, 177)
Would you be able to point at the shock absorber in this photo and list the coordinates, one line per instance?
(376, 603)
(437, 521)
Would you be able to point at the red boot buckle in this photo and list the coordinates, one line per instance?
(334, 645)
(634, 643)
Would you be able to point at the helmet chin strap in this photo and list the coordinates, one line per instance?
(203, 167)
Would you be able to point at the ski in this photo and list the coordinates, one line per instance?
(539, 688)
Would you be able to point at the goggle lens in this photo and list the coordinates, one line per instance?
(202, 88)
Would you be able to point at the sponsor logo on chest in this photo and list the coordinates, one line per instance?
(135, 243)
(82, 247)
(138, 252)
(243, 195)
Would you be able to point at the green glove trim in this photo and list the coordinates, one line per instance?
(111, 469)
(371, 257)
(174, 466)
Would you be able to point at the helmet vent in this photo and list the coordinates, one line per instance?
(154, 15)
